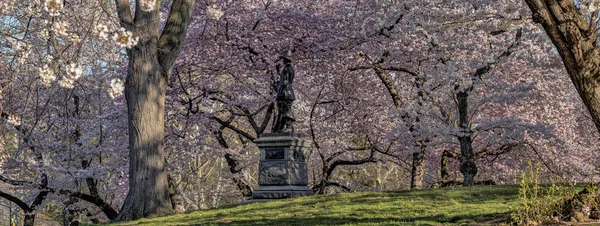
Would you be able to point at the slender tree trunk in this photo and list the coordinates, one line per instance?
(236, 172)
(219, 189)
(29, 219)
(323, 183)
(418, 168)
(378, 179)
(237, 176)
(444, 171)
(70, 214)
(418, 164)
(176, 198)
(467, 163)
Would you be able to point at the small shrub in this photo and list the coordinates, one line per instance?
(540, 204)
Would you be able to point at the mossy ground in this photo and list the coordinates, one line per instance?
(448, 206)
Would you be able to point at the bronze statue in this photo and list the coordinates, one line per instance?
(285, 96)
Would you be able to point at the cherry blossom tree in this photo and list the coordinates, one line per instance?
(386, 89)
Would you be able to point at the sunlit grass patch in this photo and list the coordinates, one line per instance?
(473, 205)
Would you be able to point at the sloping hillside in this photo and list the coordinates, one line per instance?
(477, 205)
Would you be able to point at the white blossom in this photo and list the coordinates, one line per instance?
(75, 38)
(5, 6)
(213, 12)
(19, 46)
(101, 31)
(116, 88)
(148, 5)
(66, 83)
(49, 58)
(43, 34)
(60, 28)
(125, 38)
(14, 120)
(24, 54)
(74, 72)
(53, 7)
(46, 75)
(591, 6)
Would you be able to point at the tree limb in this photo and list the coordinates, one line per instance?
(17, 201)
(169, 44)
(124, 13)
(235, 129)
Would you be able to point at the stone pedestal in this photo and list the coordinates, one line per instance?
(282, 171)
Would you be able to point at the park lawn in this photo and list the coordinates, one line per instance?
(447, 206)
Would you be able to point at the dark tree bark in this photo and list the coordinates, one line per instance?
(29, 218)
(176, 199)
(69, 215)
(237, 176)
(329, 166)
(150, 64)
(576, 41)
(29, 210)
(418, 169)
(467, 163)
(110, 212)
(446, 156)
(236, 172)
(452, 154)
(418, 162)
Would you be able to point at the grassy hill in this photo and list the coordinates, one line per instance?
(448, 206)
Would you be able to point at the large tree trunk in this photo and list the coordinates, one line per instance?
(145, 94)
(467, 163)
(150, 64)
(577, 43)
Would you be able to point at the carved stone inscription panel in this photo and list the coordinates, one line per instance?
(274, 154)
(272, 173)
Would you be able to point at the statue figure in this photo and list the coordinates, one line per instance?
(285, 96)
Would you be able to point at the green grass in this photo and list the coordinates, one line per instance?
(449, 206)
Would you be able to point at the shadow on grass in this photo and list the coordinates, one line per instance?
(328, 220)
(473, 205)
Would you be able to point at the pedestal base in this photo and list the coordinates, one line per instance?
(280, 192)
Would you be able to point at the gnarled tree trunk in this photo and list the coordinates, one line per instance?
(576, 41)
(467, 163)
